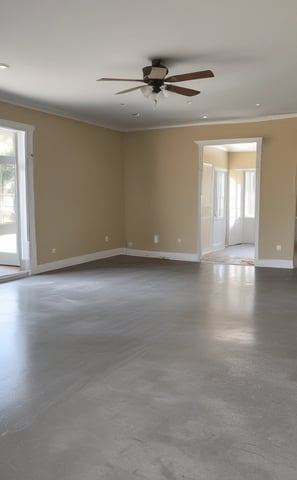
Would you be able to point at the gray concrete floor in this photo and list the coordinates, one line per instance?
(149, 369)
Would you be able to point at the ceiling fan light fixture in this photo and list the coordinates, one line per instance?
(157, 83)
(147, 91)
(163, 94)
(4, 66)
(158, 73)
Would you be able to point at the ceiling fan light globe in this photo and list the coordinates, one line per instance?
(146, 91)
(163, 94)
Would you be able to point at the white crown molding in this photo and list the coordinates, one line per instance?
(69, 262)
(62, 113)
(275, 263)
(218, 122)
(184, 257)
(57, 112)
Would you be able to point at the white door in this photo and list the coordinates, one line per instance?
(235, 230)
(249, 206)
(9, 250)
(206, 208)
(219, 210)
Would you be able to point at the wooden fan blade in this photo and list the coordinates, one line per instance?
(188, 92)
(119, 80)
(128, 90)
(190, 76)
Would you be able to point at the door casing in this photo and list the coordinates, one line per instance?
(227, 141)
(25, 194)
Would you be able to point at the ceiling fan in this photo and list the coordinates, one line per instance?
(154, 76)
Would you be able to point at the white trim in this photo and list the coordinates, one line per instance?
(183, 257)
(203, 143)
(31, 199)
(223, 141)
(28, 243)
(278, 263)
(69, 262)
(13, 276)
(206, 123)
(57, 112)
(8, 124)
(61, 113)
(257, 205)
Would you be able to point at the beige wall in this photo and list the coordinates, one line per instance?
(242, 160)
(78, 183)
(216, 156)
(161, 174)
(161, 190)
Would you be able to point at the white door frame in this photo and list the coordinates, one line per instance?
(227, 141)
(26, 220)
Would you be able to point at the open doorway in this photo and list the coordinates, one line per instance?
(229, 201)
(16, 200)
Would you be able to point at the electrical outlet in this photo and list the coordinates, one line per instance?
(106, 238)
(156, 238)
(179, 240)
(130, 244)
(278, 248)
(54, 250)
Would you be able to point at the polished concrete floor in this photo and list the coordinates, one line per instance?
(130, 369)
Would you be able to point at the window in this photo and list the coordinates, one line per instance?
(7, 177)
(249, 193)
(219, 193)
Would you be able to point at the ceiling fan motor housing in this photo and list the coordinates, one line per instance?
(154, 75)
(156, 71)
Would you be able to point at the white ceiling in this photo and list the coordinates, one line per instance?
(57, 49)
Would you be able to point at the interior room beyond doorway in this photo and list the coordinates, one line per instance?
(228, 203)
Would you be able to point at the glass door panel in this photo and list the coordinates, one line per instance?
(8, 199)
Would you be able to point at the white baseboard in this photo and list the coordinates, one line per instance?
(184, 257)
(69, 262)
(14, 276)
(205, 252)
(275, 263)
